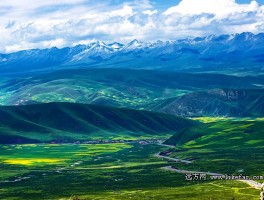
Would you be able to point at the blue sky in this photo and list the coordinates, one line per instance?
(27, 24)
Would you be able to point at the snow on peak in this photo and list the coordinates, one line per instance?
(115, 46)
(135, 44)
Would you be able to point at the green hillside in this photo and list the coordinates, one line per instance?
(136, 89)
(246, 133)
(66, 122)
(216, 102)
(223, 147)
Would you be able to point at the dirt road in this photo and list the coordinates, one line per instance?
(251, 183)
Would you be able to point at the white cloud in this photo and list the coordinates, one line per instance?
(220, 8)
(150, 12)
(216, 16)
(41, 24)
(125, 11)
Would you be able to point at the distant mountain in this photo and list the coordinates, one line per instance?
(237, 52)
(216, 102)
(66, 122)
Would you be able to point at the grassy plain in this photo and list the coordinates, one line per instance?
(103, 171)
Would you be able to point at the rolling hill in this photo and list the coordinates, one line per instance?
(222, 134)
(66, 122)
(216, 102)
(136, 89)
(227, 147)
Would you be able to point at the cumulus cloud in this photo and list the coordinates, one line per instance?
(125, 11)
(217, 16)
(220, 8)
(150, 12)
(27, 24)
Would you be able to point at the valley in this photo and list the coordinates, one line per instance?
(102, 171)
(112, 121)
(107, 169)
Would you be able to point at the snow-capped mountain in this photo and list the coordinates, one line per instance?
(116, 46)
(96, 49)
(236, 51)
(135, 44)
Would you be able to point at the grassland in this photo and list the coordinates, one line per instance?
(123, 170)
(108, 171)
(225, 146)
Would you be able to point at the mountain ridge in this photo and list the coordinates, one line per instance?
(224, 37)
(71, 122)
(216, 103)
(211, 52)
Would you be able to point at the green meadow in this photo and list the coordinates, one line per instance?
(102, 171)
(39, 160)
(226, 146)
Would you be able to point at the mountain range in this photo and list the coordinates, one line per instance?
(134, 90)
(237, 52)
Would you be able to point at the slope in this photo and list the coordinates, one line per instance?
(66, 122)
(137, 89)
(216, 102)
(231, 147)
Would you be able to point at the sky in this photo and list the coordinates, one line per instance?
(29, 24)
